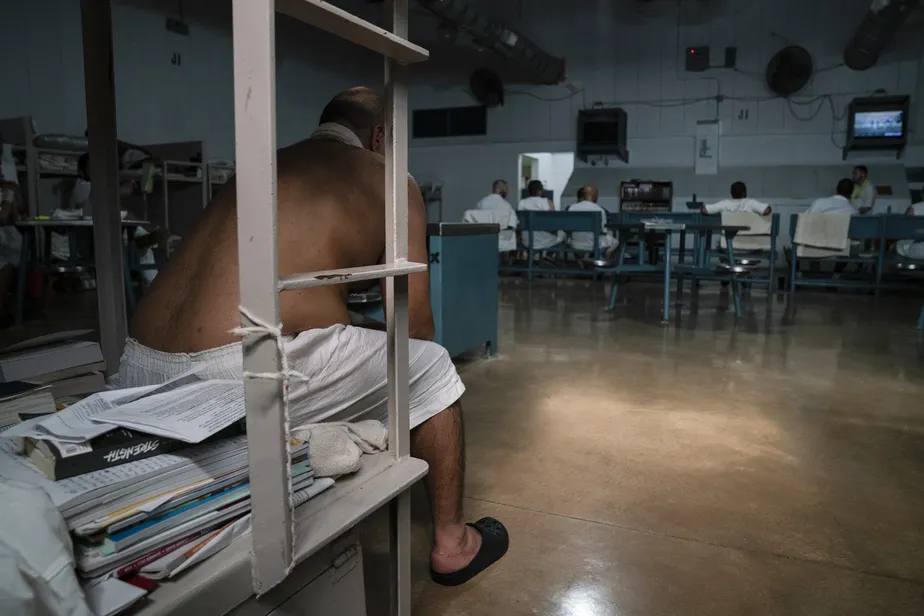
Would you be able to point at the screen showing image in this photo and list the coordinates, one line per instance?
(872, 124)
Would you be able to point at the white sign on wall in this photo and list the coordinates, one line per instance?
(707, 148)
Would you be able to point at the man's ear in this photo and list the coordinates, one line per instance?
(378, 139)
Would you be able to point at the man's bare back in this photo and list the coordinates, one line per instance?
(331, 199)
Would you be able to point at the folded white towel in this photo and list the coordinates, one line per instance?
(334, 449)
(337, 132)
(757, 237)
(822, 235)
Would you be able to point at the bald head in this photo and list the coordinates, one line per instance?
(362, 110)
(589, 193)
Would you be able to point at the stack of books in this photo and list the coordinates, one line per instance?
(20, 401)
(144, 515)
(69, 366)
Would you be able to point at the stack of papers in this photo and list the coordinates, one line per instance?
(186, 409)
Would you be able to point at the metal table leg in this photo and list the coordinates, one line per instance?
(736, 286)
(129, 260)
(26, 251)
(615, 288)
(667, 277)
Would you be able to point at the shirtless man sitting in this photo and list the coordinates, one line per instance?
(331, 208)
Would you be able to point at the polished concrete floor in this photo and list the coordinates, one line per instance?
(775, 466)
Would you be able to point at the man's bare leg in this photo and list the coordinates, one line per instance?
(440, 442)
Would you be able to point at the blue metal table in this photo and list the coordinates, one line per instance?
(667, 229)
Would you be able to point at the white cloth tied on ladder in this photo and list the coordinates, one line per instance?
(285, 375)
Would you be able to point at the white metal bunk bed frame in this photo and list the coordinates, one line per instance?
(169, 160)
(281, 537)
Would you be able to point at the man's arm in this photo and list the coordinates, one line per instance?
(712, 208)
(419, 313)
(867, 198)
(760, 208)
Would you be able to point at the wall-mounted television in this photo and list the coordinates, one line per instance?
(878, 123)
(602, 132)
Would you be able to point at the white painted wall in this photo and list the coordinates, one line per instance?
(619, 56)
(157, 101)
(624, 58)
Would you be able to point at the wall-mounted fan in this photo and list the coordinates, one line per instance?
(789, 70)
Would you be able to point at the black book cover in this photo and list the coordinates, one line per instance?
(117, 447)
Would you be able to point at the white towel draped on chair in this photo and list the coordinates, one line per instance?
(506, 239)
(822, 235)
(757, 237)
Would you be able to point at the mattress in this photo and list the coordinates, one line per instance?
(58, 163)
(62, 142)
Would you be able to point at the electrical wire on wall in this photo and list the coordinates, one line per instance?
(815, 104)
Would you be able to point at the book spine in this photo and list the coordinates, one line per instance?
(98, 459)
(157, 554)
(145, 446)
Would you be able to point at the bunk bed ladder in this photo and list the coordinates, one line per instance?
(275, 549)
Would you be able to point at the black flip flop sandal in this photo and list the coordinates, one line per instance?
(494, 544)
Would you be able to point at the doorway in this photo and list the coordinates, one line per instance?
(553, 169)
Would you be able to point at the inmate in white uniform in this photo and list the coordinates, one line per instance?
(912, 249)
(737, 205)
(541, 239)
(831, 205)
(583, 240)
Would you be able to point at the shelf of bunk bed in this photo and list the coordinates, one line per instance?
(354, 497)
(347, 26)
(349, 274)
(224, 581)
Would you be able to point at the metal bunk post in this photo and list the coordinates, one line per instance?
(275, 548)
(96, 18)
(255, 148)
(396, 306)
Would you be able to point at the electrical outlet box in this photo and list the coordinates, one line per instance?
(697, 58)
(731, 57)
(177, 26)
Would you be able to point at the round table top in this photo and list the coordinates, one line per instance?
(665, 226)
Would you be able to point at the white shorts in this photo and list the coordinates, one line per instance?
(345, 365)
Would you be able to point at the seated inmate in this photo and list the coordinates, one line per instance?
(587, 202)
(912, 249)
(838, 203)
(739, 202)
(536, 202)
(331, 195)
